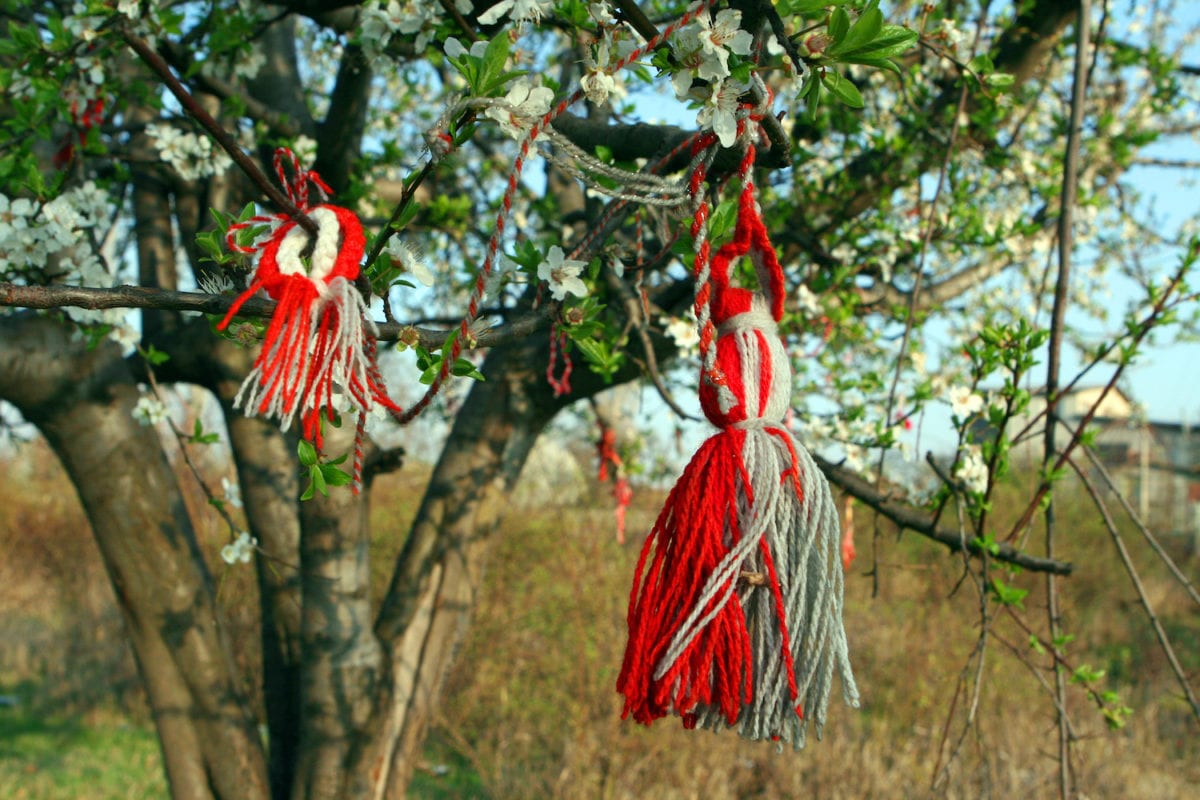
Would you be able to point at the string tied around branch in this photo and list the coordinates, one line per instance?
(319, 348)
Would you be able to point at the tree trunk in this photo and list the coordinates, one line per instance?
(343, 664)
(82, 400)
(267, 475)
(438, 573)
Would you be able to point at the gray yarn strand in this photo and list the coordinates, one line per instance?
(804, 540)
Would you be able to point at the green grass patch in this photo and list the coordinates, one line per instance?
(97, 756)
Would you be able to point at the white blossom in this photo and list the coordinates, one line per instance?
(720, 110)
(409, 260)
(240, 550)
(723, 36)
(964, 402)
(522, 106)
(191, 156)
(597, 82)
(455, 50)
(683, 331)
(562, 274)
(951, 33)
(918, 358)
(80, 25)
(602, 13)
(517, 11)
(808, 301)
(233, 492)
(971, 470)
(598, 85)
(149, 410)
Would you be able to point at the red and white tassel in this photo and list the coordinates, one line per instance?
(735, 618)
(321, 338)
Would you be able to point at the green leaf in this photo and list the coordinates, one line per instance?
(890, 41)
(154, 356)
(334, 476)
(723, 219)
(877, 63)
(843, 89)
(491, 72)
(307, 453)
(200, 437)
(864, 31)
(317, 476)
(463, 368)
(1008, 595)
(806, 7)
(839, 25)
(813, 100)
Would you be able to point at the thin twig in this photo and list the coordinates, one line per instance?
(1163, 640)
(407, 195)
(918, 272)
(219, 134)
(1061, 297)
(1150, 538)
(633, 310)
(919, 522)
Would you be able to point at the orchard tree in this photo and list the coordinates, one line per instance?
(531, 224)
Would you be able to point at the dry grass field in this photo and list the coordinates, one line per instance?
(531, 710)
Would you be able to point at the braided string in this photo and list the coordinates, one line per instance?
(702, 265)
(493, 246)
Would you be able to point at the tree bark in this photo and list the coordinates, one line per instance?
(438, 573)
(343, 665)
(82, 400)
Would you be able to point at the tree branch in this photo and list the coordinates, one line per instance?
(282, 124)
(222, 137)
(907, 517)
(48, 297)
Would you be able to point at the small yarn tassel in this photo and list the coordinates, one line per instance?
(321, 338)
(735, 618)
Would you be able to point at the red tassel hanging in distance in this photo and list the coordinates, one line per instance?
(321, 338)
(735, 618)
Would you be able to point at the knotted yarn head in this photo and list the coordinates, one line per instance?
(751, 359)
(336, 253)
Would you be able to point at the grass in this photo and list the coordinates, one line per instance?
(531, 710)
(94, 756)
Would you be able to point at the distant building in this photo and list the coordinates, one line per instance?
(1155, 465)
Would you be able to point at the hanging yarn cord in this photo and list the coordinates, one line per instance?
(641, 191)
(320, 341)
(735, 612)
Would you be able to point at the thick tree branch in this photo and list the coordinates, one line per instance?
(643, 140)
(47, 297)
(907, 517)
(340, 134)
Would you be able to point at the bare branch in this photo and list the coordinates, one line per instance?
(219, 134)
(47, 297)
(910, 518)
(1163, 640)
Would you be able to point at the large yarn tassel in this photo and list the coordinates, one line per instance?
(735, 618)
